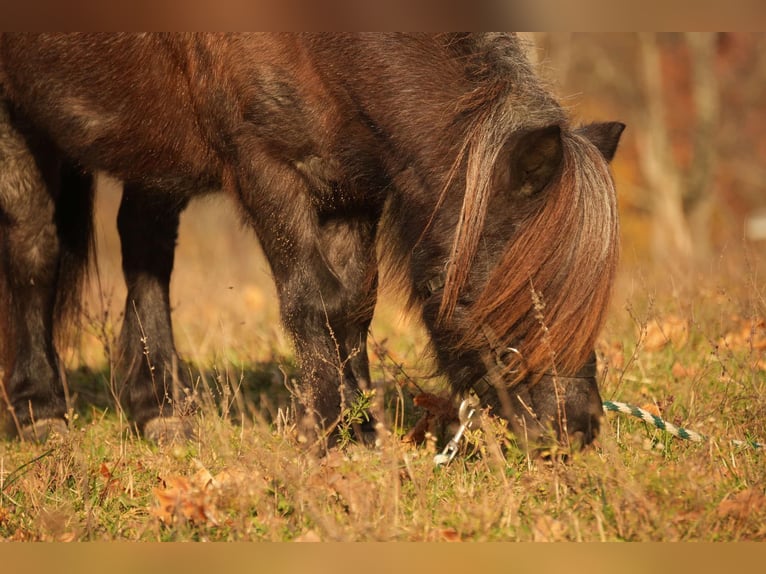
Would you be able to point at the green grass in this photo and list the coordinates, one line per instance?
(246, 478)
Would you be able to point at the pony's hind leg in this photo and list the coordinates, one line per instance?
(154, 386)
(32, 391)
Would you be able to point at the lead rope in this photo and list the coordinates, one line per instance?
(469, 419)
(668, 427)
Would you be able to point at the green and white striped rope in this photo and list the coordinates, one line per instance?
(662, 424)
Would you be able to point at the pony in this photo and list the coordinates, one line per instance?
(438, 160)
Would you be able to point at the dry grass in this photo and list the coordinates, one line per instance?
(697, 356)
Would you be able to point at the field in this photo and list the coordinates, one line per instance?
(692, 352)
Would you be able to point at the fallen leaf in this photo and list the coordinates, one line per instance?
(202, 479)
(451, 535)
(308, 536)
(680, 372)
(742, 504)
(417, 434)
(112, 485)
(652, 408)
(179, 498)
(661, 332)
(439, 411)
(613, 353)
(67, 537)
(748, 335)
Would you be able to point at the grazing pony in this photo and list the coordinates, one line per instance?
(443, 154)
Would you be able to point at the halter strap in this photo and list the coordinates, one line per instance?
(488, 387)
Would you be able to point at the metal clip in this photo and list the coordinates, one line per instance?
(469, 418)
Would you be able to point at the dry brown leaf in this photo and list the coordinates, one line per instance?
(67, 537)
(236, 483)
(547, 529)
(198, 498)
(661, 332)
(613, 353)
(104, 471)
(417, 434)
(180, 498)
(308, 536)
(450, 535)
(111, 484)
(202, 479)
(750, 334)
(652, 408)
(742, 504)
(439, 410)
(680, 372)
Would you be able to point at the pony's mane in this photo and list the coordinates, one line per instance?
(549, 291)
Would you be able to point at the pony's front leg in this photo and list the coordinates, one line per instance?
(325, 270)
(328, 307)
(152, 381)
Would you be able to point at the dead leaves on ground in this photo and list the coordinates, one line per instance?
(612, 355)
(680, 371)
(746, 334)
(663, 331)
(439, 412)
(743, 505)
(197, 499)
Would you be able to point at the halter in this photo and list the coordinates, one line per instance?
(491, 386)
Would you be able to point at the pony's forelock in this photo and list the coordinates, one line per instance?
(480, 154)
(548, 293)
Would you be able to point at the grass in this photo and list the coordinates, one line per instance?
(694, 355)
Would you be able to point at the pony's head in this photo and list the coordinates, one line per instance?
(515, 311)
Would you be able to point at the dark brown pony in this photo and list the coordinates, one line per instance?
(442, 153)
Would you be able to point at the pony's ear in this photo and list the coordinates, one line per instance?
(604, 135)
(534, 158)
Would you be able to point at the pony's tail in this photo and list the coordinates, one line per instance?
(74, 222)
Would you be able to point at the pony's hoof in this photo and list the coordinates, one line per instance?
(43, 429)
(168, 430)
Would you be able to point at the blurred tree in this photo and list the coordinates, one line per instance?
(680, 196)
(685, 138)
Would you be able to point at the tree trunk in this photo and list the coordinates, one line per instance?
(698, 199)
(671, 235)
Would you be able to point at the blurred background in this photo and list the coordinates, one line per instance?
(691, 168)
(690, 175)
